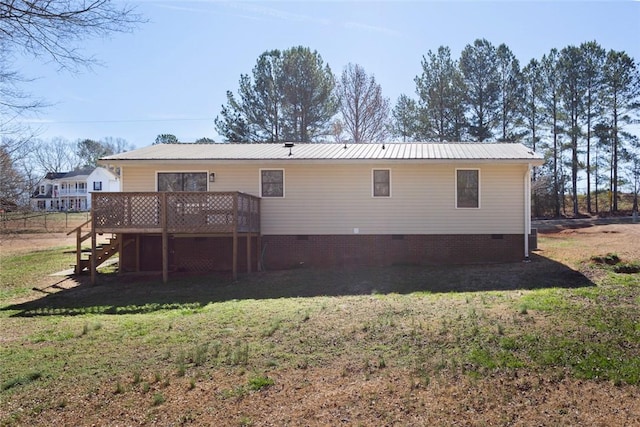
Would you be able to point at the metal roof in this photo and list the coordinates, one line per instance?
(319, 151)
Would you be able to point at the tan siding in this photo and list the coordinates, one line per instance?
(336, 199)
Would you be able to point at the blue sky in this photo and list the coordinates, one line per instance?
(172, 73)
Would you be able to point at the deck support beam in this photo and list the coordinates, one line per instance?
(94, 242)
(120, 238)
(137, 253)
(165, 239)
(78, 268)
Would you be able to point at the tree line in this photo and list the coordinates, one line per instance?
(575, 105)
(28, 161)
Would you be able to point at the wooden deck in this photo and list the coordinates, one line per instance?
(180, 212)
(202, 213)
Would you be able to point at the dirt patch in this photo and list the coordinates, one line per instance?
(335, 396)
(598, 240)
(14, 243)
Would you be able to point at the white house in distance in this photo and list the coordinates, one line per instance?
(196, 207)
(71, 191)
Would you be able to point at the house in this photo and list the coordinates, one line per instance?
(193, 207)
(70, 191)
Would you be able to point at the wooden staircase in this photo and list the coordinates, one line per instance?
(102, 252)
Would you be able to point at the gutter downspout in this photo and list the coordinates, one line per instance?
(527, 211)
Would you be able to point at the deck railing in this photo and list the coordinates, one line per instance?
(175, 212)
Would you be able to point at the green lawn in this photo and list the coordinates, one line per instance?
(132, 336)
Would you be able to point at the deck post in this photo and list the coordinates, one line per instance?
(248, 252)
(165, 237)
(78, 249)
(248, 234)
(94, 276)
(120, 238)
(137, 253)
(234, 264)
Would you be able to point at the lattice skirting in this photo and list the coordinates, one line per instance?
(189, 254)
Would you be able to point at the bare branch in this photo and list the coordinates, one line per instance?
(53, 28)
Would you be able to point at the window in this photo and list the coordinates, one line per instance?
(467, 188)
(381, 183)
(182, 181)
(272, 183)
(97, 186)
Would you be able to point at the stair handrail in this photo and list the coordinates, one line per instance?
(79, 239)
(75, 230)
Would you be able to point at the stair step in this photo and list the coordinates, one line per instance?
(102, 252)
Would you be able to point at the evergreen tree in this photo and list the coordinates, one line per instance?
(89, 151)
(511, 94)
(441, 91)
(289, 96)
(532, 113)
(572, 90)
(231, 123)
(593, 57)
(478, 63)
(621, 93)
(551, 102)
(166, 138)
(405, 119)
(308, 87)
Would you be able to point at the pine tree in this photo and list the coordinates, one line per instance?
(621, 93)
(441, 92)
(478, 63)
(405, 119)
(593, 57)
(551, 101)
(289, 96)
(511, 94)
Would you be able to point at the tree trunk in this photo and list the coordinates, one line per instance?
(556, 187)
(614, 202)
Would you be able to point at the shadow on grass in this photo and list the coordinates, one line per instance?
(126, 294)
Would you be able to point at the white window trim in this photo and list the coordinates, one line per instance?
(284, 187)
(182, 171)
(373, 183)
(455, 187)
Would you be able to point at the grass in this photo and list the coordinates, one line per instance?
(140, 343)
(20, 273)
(17, 381)
(260, 382)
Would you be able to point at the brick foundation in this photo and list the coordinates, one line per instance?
(285, 252)
(282, 252)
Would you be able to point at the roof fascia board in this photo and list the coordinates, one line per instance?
(533, 162)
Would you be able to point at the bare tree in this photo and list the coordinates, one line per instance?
(55, 28)
(117, 144)
(364, 110)
(52, 31)
(11, 181)
(56, 155)
(13, 100)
